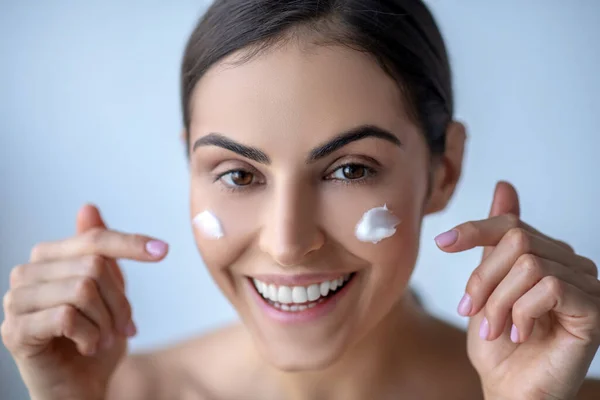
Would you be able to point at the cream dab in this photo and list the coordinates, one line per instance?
(209, 224)
(376, 224)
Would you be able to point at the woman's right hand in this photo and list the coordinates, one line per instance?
(67, 317)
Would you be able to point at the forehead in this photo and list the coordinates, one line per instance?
(293, 91)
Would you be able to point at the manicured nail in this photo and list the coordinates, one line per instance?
(484, 329)
(447, 238)
(514, 334)
(108, 341)
(465, 305)
(131, 329)
(156, 248)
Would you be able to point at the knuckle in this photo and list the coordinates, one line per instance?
(589, 265)
(17, 275)
(519, 239)
(8, 302)
(85, 291)
(8, 334)
(553, 286)
(530, 265)
(494, 307)
(566, 246)
(471, 228)
(67, 316)
(94, 236)
(476, 282)
(518, 312)
(37, 251)
(513, 221)
(138, 241)
(95, 266)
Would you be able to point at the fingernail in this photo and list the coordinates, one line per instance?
(130, 329)
(156, 248)
(108, 341)
(514, 334)
(484, 329)
(465, 305)
(447, 238)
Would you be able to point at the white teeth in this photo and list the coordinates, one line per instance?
(299, 294)
(272, 293)
(313, 292)
(284, 295)
(298, 298)
(333, 284)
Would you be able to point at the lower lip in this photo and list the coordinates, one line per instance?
(308, 315)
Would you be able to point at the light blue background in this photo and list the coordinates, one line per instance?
(89, 111)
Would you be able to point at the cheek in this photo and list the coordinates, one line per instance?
(342, 211)
(239, 218)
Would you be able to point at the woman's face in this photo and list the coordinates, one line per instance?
(276, 157)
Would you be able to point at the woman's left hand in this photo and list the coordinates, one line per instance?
(534, 306)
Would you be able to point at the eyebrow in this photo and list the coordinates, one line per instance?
(219, 140)
(318, 153)
(353, 135)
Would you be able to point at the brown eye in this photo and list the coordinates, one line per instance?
(354, 171)
(350, 172)
(238, 178)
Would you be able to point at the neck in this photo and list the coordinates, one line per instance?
(369, 368)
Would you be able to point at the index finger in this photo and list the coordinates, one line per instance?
(103, 242)
(487, 232)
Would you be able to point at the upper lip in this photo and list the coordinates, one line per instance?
(298, 279)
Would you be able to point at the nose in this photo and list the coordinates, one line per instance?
(290, 231)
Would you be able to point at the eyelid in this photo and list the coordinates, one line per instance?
(234, 165)
(366, 161)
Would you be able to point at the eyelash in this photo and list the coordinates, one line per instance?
(370, 173)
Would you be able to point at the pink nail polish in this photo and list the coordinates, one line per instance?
(514, 334)
(156, 248)
(447, 238)
(465, 305)
(131, 329)
(484, 329)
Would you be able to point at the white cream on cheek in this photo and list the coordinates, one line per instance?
(376, 224)
(209, 225)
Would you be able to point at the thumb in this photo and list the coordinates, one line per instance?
(89, 217)
(506, 201)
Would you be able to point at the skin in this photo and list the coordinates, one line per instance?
(292, 219)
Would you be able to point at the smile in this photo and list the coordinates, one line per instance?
(300, 298)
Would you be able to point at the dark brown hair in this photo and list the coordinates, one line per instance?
(401, 35)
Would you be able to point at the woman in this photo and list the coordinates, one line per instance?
(319, 133)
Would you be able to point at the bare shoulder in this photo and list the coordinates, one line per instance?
(191, 369)
(449, 370)
(590, 390)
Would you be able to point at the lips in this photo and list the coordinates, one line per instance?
(299, 298)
